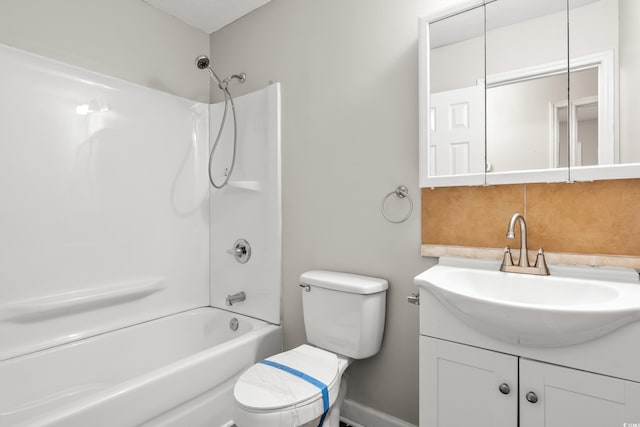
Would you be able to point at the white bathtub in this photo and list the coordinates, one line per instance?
(174, 371)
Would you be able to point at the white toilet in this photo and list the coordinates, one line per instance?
(344, 319)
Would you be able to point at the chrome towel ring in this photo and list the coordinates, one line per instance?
(403, 193)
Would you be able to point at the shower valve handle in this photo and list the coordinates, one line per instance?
(237, 251)
(241, 251)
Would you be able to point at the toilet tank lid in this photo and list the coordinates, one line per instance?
(344, 282)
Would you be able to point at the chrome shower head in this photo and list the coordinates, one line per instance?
(202, 62)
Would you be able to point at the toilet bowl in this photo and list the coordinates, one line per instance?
(271, 397)
(344, 320)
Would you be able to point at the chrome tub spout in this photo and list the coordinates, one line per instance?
(240, 296)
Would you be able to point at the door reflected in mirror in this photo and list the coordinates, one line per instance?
(574, 125)
(456, 95)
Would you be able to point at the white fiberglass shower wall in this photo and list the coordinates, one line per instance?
(105, 211)
(104, 218)
(108, 236)
(249, 206)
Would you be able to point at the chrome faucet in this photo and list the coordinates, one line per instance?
(523, 266)
(240, 296)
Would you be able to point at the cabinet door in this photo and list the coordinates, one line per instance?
(460, 386)
(568, 397)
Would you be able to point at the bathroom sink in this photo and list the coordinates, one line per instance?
(571, 306)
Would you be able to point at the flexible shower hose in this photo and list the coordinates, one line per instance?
(228, 99)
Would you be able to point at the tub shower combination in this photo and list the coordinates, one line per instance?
(119, 302)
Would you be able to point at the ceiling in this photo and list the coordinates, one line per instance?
(208, 15)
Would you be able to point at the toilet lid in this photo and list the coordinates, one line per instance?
(264, 388)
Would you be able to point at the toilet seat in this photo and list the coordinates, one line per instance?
(269, 393)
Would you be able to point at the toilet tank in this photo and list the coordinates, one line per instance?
(344, 313)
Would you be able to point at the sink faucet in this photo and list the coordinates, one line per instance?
(524, 254)
(240, 296)
(523, 266)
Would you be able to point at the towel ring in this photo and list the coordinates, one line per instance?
(402, 192)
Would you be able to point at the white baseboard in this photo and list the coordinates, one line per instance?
(359, 415)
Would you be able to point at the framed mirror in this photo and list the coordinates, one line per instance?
(604, 137)
(453, 98)
(526, 57)
(560, 81)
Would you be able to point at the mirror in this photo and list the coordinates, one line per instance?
(456, 103)
(526, 56)
(606, 29)
(559, 106)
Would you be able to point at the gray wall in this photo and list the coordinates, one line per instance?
(128, 39)
(349, 74)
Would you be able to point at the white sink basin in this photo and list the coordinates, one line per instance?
(573, 305)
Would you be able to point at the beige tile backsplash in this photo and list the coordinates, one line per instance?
(600, 217)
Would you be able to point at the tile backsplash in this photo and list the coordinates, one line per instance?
(600, 217)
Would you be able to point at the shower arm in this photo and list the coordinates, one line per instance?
(242, 77)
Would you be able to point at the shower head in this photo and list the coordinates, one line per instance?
(202, 62)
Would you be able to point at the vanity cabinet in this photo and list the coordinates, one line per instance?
(465, 385)
(571, 397)
(459, 386)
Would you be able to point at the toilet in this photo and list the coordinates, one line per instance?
(344, 318)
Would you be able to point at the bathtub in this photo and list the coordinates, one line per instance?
(174, 371)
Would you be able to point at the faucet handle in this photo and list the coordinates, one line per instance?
(541, 263)
(507, 259)
(241, 251)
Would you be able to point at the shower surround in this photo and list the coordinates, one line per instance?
(107, 221)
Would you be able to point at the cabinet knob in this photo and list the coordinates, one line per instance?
(504, 388)
(531, 397)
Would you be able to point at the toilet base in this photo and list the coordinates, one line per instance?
(333, 416)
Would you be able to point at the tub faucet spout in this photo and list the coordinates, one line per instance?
(240, 296)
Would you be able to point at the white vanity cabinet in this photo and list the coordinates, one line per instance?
(569, 397)
(465, 385)
(460, 386)
(506, 349)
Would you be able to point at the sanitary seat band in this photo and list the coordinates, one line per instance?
(322, 386)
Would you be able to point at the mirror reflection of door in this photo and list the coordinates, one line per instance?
(456, 143)
(456, 108)
(574, 125)
(585, 150)
(560, 145)
(576, 132)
